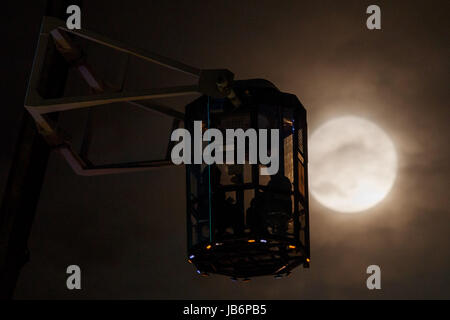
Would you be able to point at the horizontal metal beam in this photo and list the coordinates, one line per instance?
(43, 106)
(80, 167)
(120, 46)
(158, 108)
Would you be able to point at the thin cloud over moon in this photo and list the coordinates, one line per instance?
(353, 164)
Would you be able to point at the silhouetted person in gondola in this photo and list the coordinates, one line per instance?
(271, 210)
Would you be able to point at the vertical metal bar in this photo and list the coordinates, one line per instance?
(295, 164)
(211, 231)
(27, 173)
(19, 203)
(305, 153)
(188, 209)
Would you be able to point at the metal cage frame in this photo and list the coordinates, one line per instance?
(216, 255)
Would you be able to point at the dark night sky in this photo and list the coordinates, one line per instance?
(127, 232)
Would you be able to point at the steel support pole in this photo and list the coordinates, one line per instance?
(26, 176)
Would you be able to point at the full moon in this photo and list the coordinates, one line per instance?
(352, 164)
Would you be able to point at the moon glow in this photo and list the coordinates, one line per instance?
(352, 164)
